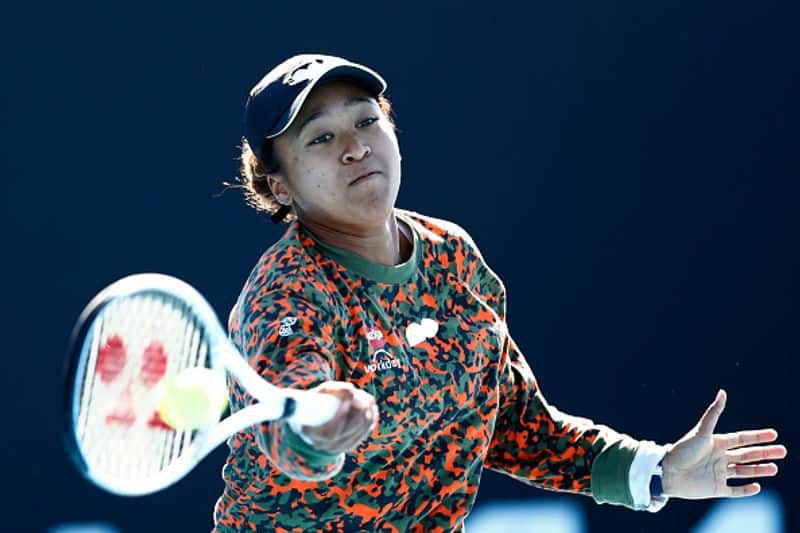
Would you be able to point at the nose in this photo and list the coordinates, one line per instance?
(355, 151)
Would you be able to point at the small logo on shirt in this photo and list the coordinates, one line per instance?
(419, 332)
(380, 358)
(286, 326)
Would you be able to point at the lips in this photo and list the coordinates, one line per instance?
(364, 176)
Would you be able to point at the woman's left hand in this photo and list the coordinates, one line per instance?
(699, 465)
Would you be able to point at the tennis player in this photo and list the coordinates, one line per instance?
(399, 316)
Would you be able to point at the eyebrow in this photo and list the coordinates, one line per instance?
(317, 114)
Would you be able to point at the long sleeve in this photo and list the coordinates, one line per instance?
(289, 342)
(535, 442)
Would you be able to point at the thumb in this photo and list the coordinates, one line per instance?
(708, 422)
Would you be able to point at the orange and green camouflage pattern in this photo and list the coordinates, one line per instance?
(428, 339)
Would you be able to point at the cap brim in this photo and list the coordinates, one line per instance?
(367, 78)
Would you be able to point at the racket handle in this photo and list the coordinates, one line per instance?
(310, 409)
(313, 408)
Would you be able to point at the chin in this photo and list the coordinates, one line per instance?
(374, 214)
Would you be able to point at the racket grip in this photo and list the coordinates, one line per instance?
(313, 408)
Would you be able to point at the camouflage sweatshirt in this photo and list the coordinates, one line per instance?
(428, 339)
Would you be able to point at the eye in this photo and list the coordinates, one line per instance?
(367, 122)
(322, 139)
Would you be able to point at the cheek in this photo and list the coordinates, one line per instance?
(386, 143)
(314, 184)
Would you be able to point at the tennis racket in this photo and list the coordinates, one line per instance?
(132, 337)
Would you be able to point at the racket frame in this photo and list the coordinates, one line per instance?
(272, 403)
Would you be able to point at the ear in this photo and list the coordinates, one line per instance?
(277, 184)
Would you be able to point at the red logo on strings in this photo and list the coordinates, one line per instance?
(111, 361)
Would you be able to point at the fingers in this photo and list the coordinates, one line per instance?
(360, 416)
(737, 470)
(742, 491)
(710, 418)
(745, 471)
(356, 426)
(332, 427)
(351, 424)
(748, 438)
(756, 453)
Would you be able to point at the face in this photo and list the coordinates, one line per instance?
(340, 161)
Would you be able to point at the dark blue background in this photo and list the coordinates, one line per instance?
(630, 170)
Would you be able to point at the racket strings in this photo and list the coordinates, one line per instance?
(135, 345)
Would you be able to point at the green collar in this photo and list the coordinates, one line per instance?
(369, 269)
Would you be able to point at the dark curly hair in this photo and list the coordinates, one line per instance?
(253, 175)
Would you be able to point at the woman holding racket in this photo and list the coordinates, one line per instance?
(397, 313)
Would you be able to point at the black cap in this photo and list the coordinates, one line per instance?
(275, 100)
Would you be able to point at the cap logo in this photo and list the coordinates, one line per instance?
(303, 73)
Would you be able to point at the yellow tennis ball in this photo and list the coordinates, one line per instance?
(194, 398)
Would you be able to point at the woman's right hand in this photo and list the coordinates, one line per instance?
(353, 422)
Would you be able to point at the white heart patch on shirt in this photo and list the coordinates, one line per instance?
(418, 332)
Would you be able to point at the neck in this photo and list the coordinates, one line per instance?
(385, 244)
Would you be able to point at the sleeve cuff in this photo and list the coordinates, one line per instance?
(643, 467)
(297, 429)
(302, 446)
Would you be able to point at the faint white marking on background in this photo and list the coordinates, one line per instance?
(555, 516)
(762, 513)
(86, 527)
